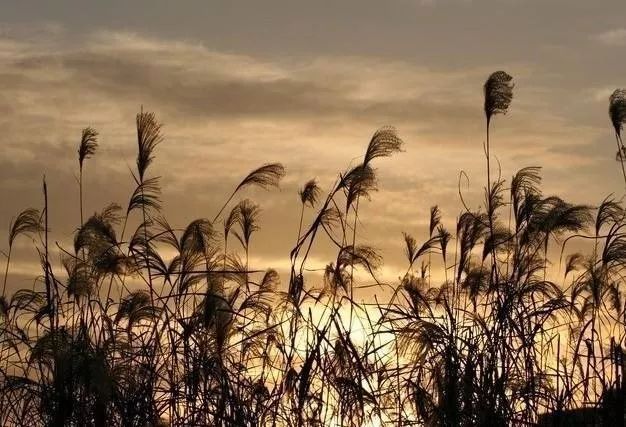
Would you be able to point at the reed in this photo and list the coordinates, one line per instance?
(130, 336)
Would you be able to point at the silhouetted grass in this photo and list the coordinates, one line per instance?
(130, 336)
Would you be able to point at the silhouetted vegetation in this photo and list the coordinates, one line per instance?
(148, 324)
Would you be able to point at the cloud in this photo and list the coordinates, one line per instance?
(616, 37)
(196, 83)
(226, 113)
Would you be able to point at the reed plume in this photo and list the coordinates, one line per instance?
(617, 114)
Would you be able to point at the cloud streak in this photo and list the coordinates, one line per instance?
(616, 37)
(315, 115)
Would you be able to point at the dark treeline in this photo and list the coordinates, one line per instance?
(152, 325)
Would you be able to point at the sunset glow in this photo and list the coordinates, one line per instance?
(351, 213)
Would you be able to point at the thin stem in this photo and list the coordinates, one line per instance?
(224, 206)
(80, 193)
(6, 272)
(618, 141)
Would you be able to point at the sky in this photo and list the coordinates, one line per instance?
(241, 83)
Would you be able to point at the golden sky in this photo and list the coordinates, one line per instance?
(238, 84)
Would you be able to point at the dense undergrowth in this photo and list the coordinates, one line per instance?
(155, 325)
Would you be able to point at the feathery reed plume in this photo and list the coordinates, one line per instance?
(573, 263)
(309, 194)
(79, 280)
(234, 217)
(88, 145)
(148, 137)
(198, 238)
(384, 143)
(248, 222)
(413, 252)
(617, 114)
(435, 219)
(266, 176)
(136, 307)
(617, 110)
(146, 196)
(358, 182)
(525, 182)
(444, 237)
(27, 222)
(498, 91)
(410, 248)
(86, 149)
(610, 211)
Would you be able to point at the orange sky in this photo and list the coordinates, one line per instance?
(239, 84)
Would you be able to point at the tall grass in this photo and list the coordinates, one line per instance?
(156, 325)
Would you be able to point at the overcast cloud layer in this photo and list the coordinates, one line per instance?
(238, 84)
